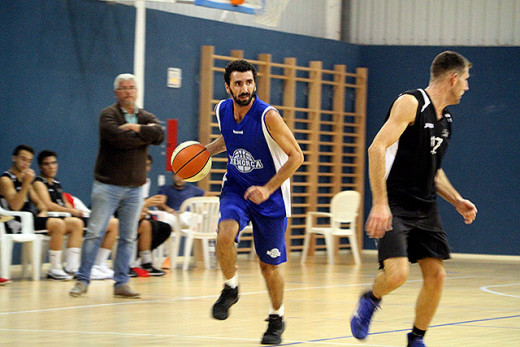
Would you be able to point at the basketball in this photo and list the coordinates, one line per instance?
(191, 161)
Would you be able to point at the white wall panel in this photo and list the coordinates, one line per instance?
(435, 22)
(382, 22)
(318, 18)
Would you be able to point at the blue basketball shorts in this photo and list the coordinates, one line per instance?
(268, 232)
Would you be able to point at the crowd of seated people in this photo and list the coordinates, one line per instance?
(22, 190)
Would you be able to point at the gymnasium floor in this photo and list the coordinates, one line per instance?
(480, 307)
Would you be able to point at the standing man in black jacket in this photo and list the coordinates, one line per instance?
(125, 132)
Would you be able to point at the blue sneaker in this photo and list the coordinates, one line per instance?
(360, 321)
(416, 342)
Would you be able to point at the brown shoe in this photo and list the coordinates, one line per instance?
(79, 289)
(124, 291)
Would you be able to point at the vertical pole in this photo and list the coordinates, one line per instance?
(139, 49)
(205, 102)
(361, 118)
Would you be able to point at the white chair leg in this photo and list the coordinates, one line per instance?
(306, 244)
(175, 243)
(355, 250)
(25, 256)
(187, 252)
(36, 256)
(205, 252)
(158, 256)
(7, 256)
(329, 242)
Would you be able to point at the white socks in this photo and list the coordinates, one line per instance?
(72, 259)
(232, 282)
(102, 256)
(55, 259)
(280, 311)
(146, 256)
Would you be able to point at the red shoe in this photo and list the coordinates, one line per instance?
(4, 281)
(140, 272)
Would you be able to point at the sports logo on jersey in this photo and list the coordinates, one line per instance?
(274, 253)
(239, 132)
(428, 125)
(445, 133)
(244, 161)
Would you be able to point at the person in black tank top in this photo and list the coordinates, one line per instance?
(18, 194)
(50, 191)
(405, 177)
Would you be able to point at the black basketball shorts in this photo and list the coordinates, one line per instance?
(415, 238)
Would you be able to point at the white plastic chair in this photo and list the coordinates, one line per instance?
(203, 223)
(343, 213)
(31, 245)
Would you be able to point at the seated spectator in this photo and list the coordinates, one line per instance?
(17, 194)
(151, 233)
(176, 193)
(50, 191)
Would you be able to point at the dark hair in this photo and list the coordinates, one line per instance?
(149, 158)
(240, 66)
(23, 148)
(45, 154)
(448, 61)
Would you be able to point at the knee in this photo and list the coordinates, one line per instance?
(227, 233)
(397, 277)
(268, 269)
(435, 278)
(55, 226)
(145, 227)
(74, 224)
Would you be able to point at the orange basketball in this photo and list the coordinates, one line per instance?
(191, 161)
(237, 2)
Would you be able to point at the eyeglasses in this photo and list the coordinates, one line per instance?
(126, 88)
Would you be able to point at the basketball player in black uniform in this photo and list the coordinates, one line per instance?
(404, 215)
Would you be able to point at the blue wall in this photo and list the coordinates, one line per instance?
(59, 59)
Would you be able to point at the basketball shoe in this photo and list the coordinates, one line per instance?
(228, 297)
(415, 341)
(360, 321)
(276, 327)
(4, 281)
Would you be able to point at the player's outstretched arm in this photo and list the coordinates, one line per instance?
(217, 146)
(445, 189)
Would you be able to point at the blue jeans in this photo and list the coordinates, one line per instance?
(106, 199)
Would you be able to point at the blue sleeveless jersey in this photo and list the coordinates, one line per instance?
(253, 156)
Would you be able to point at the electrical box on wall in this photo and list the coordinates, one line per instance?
(174, 77)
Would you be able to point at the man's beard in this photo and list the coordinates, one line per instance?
(243, 102)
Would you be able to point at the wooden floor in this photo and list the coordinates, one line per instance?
(480, 307)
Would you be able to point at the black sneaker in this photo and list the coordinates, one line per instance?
(228, 297)
(132, 273)
(152, 271)
(273, 335)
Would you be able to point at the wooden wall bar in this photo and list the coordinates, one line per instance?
(326, 109)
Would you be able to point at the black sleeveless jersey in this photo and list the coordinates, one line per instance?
(55, 190)
(17, 185)
(413, 161)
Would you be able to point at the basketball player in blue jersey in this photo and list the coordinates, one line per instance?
(404, 215)
(262, 155)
